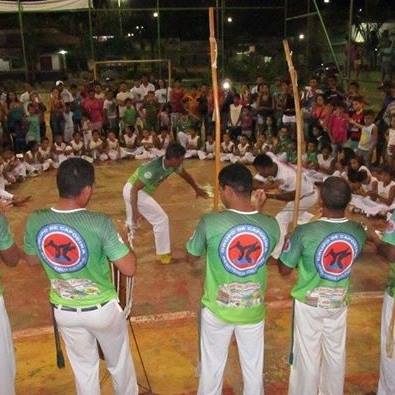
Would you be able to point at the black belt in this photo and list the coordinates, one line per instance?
(82, 309)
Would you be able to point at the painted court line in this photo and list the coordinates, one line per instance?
(357, 297)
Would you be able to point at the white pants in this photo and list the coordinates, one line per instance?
(107, 325)
(183, 139)
(191, 153)
(153, 213)
(214, 344)
(387, 364)
(7, 358)
(284, 217)
(319, 351)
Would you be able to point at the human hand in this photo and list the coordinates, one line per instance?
(200, 192)
(260, 199)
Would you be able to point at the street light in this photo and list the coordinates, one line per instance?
(156, 14)
(62, 52)
(226, 85)
(230, 19)
(327, 1)
(301, 36)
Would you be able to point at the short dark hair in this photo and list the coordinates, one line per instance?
(237, 177)
(73, 176)
(174, 150)
(263, 160)
(369, 113)
(335, 193)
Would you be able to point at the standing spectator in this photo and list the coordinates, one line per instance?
(320, 112)
(151, 110)
(176, 100)
(234, 118)
(162, 93)
(39, 109)
(94, 109)
(68, 124)
(110, 112)
(121, 97)
(15, 117)
(76, 107)
(25, 97)
(33, 125)
(99, 94)
(333, 92)
(57, 107)
(357, 116)
(137, 94)
(65, 95)
(259, 81)
(203, 110)
(264, 103)
(191, 104)
(338, 127)
(146, 86)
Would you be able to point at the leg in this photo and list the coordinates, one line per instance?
(82, 351)
(155, 215)
(7, 358)
(250, 342)
(334, 353)
(128, 204)
(110, 329)
(305, 371)
(215, 337)
(387, 363)
(283, 218)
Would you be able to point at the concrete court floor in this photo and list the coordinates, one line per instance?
(164, 294)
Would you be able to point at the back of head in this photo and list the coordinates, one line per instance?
(335, 193)
(263, 160)
(237, 177)
(174, 150)
(73, 176)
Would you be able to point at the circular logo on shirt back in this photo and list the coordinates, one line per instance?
(335, 256)
(62, 248)
(244, 249)
(148, 175)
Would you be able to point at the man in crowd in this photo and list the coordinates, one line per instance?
(75, 246)
(237, 243)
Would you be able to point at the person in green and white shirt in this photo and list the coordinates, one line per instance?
(237, 244)
(75, 246)
(10, 255)
(323, 252)
(386, 248)
(138, 191)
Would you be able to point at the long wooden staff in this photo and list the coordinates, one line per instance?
(217, 119)
(299, 131)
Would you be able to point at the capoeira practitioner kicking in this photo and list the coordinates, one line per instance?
(274, 174)
(138, 191)
(9, 254)
(237, 243)
(75, 246)
(386, 248)
(323, 253)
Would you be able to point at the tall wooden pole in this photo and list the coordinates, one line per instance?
(217, 119)
(299, 131)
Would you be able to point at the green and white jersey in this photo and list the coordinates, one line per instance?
(323, 252)
(389, 237)
(151, 174)
(75, 248)
(6, 239)
(237, 246)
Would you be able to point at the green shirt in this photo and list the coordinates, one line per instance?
(6, 239)
(151, 174)
(237, 246)
(323, 252)
(33, 132)
(75, 248)
(130, 116)
(389, 237)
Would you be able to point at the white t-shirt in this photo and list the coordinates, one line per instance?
(324, 163)
(111, 108)
(384, 191)
(147, 88)
(228, 149)
(129, 140)
(243, 149)
(162, 95)
(137, 93)
(287, 176)
(391, 139)
(193, 142)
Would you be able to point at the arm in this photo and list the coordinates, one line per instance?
(284, 196)
(384, 249)
(189, 179)
(127, 264)
(11, 255)
(391, 197)
(283, 269)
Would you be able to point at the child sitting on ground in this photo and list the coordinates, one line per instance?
(227, 148)
(208, 151)
(86, 131)
(243, 151)
(326, 162)
(34, 158)
(281, 146)
(77, 144)
(164, 139)
(96, 149)
(193, 144)
(310, 159)
(59, 150)
(113, 148)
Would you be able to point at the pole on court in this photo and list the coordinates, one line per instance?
(299, 131)
(217, 119)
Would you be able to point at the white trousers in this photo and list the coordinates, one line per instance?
(107, 325)
(153, 213)
(284, 217)
(319, 351)
(387, 364)
(183, 139)
(7, 358)
(215, 338)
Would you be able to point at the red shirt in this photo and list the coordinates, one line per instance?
(354, 132)
(176, 96)
(94, 108)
